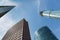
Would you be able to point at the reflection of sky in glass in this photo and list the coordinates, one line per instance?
(55, 12)
(4, 9)
(44, 33)
(52, 14)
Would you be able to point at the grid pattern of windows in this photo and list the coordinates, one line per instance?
(19, 31)
(16, 36)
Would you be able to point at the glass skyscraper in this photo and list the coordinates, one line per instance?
(44, 33)
(5, 9)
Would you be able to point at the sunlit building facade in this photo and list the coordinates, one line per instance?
(44, 33)
(51, 14)
(19, 31)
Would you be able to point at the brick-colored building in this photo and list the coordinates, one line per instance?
(19, 31)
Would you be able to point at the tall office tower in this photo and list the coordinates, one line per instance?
(44, 34)
(19, 31)
(51, 14)
(5, 9)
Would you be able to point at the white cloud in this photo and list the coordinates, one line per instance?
(7, 2)
(37, 3)
(5, 23)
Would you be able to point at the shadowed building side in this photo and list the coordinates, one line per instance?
(44, 33)
(26, 32)
(19, 31)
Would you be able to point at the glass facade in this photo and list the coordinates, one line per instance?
(44, 34)
(5, 9)
(52, 14)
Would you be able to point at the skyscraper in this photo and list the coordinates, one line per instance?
(5, 9)
(19, 31)
(51, 14)
(44, 34)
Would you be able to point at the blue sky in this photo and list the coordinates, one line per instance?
(29, 9)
